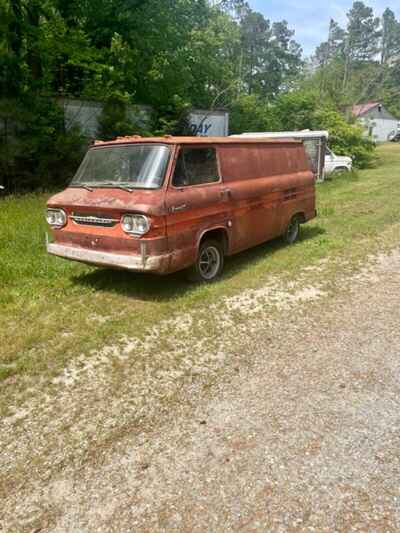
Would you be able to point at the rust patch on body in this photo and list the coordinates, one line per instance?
(262, 184)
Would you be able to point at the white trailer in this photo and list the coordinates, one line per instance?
(314, 142)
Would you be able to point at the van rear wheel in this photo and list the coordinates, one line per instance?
(293, 230)
(209, 263)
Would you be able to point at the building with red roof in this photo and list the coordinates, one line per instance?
(378, 122)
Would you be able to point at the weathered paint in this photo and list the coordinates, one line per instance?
(169, 139)
(262, 184)
(159, 263)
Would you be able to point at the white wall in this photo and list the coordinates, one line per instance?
(380, 128)
(82, 113)
(85, 114)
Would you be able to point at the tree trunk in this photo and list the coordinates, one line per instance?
(347, 63)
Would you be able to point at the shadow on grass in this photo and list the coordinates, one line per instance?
(235, 264)
(150, 287)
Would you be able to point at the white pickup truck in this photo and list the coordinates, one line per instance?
(336, 163)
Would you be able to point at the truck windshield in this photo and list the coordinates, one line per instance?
(138, 166)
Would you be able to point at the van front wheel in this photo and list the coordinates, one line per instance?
(293, 230)
(209, 263)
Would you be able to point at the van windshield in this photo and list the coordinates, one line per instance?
(138, 166)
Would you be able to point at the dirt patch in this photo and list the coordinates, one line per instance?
(126, 389)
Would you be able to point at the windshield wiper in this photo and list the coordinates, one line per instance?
(124, 187)
(112, 184)
(103, 185)
(83, 186)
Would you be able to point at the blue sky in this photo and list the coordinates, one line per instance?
(310, 18)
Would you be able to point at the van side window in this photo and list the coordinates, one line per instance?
(196, 166)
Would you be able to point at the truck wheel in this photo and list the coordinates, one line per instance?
(209, 263)
(339, 170)
(293, 230)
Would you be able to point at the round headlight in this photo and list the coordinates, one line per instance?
(135, 224)
(127, 223)
(56, 218)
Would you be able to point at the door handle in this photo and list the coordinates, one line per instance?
(225, 192)
(176, 208)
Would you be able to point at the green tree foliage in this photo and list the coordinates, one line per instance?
(114, 119)
(298, 110)
(294, 110)
(37, 140)
(359, 63)
(329, 56)
(149, 50)
(390, 48)
(174, 55)
(362, 37)
(344, 138)
(250, 113)
(363, 33)
(269, 57)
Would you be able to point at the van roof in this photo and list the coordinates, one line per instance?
(169, 139)
(302, 134)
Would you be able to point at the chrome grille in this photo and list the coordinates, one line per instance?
(94, 220)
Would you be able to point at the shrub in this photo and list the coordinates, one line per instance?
(300, 110)
(249, 113)
(295, 110)
(172, 118)
(37, 153)
(115, 121)
(344, 138)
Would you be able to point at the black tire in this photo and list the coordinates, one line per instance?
(293, 230)
(209, 263)
(339, 170)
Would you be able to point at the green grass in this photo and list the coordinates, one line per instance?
(52, 310)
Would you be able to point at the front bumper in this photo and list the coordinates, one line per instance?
(138, 263)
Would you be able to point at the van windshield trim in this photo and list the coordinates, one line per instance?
(118, 169)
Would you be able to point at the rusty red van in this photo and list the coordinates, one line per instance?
(170, 203)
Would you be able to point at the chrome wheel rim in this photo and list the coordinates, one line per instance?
(209, 262)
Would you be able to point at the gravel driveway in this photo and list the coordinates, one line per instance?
(305, 438)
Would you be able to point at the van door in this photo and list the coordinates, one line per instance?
(196, 201)
(248, 171)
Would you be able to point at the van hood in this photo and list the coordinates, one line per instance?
(145, 201)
